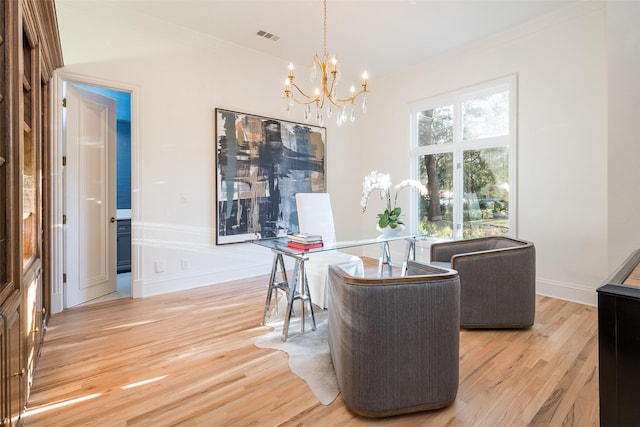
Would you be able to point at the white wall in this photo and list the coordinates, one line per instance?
(624, 129)
(181, 77)
(563, 174)
(560, 63)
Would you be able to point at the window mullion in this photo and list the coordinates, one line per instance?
(458, 198)
(457, 122)
(457, 171)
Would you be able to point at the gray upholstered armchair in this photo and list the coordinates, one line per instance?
(395, 341)
(497, 280)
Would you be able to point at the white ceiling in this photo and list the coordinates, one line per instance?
(380, 36)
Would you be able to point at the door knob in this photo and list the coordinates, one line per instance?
(113, 219)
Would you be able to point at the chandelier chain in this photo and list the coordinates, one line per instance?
(324, 28)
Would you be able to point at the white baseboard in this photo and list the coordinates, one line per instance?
(182, 282)
(567, 291)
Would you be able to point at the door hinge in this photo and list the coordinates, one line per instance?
(64, 277)
(64, 102)
(64, 219)
(64, 160)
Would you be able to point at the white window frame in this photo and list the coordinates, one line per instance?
(458, 146)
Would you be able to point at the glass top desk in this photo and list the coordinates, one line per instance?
(298, 288)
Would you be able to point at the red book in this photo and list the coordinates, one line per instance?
(303, 246)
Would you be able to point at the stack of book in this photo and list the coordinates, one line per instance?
(304, 241)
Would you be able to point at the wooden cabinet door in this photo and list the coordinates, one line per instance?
(33, 318)
(4, 412)
(15, 370)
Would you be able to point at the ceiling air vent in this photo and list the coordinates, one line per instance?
(267, 35)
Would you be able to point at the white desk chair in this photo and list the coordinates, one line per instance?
(315, 216)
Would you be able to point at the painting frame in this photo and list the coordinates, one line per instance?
(261, 163)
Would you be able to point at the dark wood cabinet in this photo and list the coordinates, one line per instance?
(619, 345)
(124, 245)
(29, 53)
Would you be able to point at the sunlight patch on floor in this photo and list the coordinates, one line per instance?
(139, 383)
(53, 406)
(129, 325)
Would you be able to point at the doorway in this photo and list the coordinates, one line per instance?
(123, 191)
(110, 126)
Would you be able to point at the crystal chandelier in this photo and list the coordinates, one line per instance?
(326, 96)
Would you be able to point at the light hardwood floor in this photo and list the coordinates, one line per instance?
(188, 359)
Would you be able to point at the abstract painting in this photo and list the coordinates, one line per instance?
(261, 163)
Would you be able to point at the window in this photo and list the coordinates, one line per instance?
(464, 153)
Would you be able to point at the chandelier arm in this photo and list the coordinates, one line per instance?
(352, 98)
(320, 102)
(329, 91)
(337, 103)
(301, 102)
(312, 98)
(297, 101)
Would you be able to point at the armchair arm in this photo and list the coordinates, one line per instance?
(417, 268)
(519, 259)
(444, 251)
(416, 272)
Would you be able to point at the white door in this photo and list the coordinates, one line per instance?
(90, 145)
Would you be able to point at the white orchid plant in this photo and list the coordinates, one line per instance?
(382, 182)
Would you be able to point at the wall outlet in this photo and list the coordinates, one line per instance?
(185, 264)
(159, 266)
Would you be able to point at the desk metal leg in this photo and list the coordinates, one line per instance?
(285, 280)
(302, 280)
(308, 294)
(287, 318)
(305, 295)
(410, 254)
(385, 259)
(299, 282)
(274, 285)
